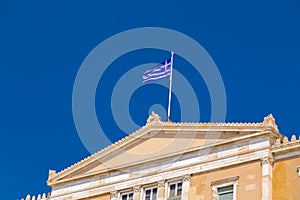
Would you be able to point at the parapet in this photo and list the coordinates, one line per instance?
(38, 197)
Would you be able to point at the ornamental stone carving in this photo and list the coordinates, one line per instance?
(285, 139)
(270, 121)
(186, 178)
(161, 183)
(278, 141)
(114, 194)
(52, 174)
(267, 161)
(137, 189)
(153, 118)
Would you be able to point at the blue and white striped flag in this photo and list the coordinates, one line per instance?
(158, 72)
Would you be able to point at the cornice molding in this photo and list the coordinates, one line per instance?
(180, 171)
(169, 156)
(155, 124)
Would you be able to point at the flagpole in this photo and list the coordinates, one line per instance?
(170, 87)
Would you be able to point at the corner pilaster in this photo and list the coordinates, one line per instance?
(267, 175)
(186, 187)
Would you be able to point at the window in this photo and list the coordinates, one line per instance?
(175, 191)
(225, 189)
(225, 193)
(128, 196)
(151, 194)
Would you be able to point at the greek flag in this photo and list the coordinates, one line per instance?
(158, 72)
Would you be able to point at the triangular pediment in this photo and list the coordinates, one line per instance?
(155, 142)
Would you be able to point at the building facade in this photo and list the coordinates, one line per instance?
(188, 161)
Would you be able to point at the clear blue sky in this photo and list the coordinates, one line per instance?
(255, 45)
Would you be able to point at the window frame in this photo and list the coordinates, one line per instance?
(176, 182)
(225, 183)
(150, 188)
(126, 193)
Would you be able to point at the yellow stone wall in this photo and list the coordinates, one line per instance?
(286, 182)
(249, 184)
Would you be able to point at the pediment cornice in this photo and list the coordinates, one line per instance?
(156, 125)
